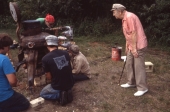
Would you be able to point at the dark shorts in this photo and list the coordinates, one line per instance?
(16, 103)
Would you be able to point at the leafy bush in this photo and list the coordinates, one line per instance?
(157, 20)
(100, 27)
(6, 22)
(93, 17)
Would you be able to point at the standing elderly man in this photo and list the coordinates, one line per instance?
(136, 44)
(57, 67)
(80, 65)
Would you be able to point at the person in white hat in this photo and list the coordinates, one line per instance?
(57, 67)
(80, 65)
(136, 44)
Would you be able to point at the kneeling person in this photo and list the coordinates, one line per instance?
(10, 100)
(80, 65)
(57, 67)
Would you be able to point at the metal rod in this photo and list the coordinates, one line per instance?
(122, 71)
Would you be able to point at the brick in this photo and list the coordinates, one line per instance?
(149, 66)
(37, 102)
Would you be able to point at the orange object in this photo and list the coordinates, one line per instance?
(49, 18)
(116, 53)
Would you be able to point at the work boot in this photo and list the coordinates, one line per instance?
(63, 98)
(70, 96)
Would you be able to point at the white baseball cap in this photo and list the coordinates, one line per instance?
(117, 6)
(51, 40)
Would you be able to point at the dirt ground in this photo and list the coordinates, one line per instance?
(102, 94)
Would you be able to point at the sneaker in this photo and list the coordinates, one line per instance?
(127, 85)
(140, 93)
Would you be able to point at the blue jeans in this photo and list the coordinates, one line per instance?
(16, 103)
(49, 93)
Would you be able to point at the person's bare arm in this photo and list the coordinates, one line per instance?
(12, 79)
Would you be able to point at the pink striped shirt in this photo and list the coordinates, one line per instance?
(131, 23)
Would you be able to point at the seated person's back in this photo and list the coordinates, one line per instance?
(80, 65)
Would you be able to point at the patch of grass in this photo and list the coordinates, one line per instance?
(146, 100)
(101, 93)
(160, 59)
(107, 107)
(96, 74)
(10, 32)
(113, 77)
(91, 87)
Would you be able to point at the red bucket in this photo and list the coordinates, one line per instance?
(116, 53)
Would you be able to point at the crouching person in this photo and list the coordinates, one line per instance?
(80, 65)
(10, 100)
(57, 67)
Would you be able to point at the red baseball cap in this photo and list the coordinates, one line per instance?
(49, 18)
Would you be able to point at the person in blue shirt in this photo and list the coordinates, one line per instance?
(10, 100)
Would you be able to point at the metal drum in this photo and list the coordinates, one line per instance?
(31, 27)
(34, 41)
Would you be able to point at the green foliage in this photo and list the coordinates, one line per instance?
(100, 27)
(157, 20)
(4, 6)
(93, 17)
(6, 22)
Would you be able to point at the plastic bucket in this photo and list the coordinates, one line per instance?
(116, 53)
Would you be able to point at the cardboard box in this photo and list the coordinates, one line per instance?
(37, 102)
(149, 66)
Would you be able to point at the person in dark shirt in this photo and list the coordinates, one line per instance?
(57, 67)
